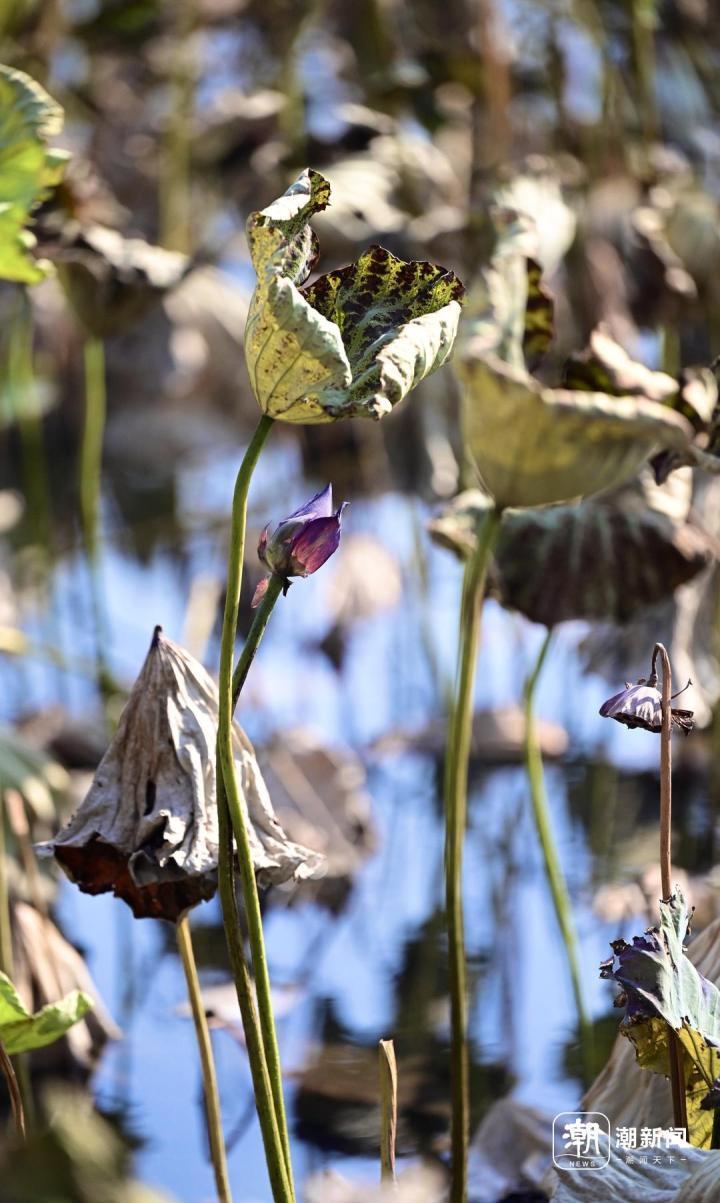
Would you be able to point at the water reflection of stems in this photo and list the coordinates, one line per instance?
(210, 1087)
(229, 799)
(457, 755)
(90, 488)
(675, 1052)
(553, 868)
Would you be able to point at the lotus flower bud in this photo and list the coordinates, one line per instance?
(302, 542)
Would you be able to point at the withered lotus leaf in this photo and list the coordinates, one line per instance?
(608, 557)
(113, 282)
(148, 828)
(353, 343)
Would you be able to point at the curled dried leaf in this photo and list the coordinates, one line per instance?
(353, 343)
(148, 828)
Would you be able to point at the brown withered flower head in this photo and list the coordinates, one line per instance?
(148, 828)
(640, 705)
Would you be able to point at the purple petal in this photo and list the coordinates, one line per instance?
(319, 506)
(315, 544)
(608, 707)
(637, 706)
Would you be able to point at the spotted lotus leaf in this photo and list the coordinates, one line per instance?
(663, 991)
(616, 554)
(28, 168)
(534, 445)
(21, 1031)
(354, 342)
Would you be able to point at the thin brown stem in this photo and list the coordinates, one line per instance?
(213, 1114)
(675, 1051)
(14, 1090)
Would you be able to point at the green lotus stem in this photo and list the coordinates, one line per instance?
(213, 1113)
(255, 634)
(232, 793)
(6, 949)
(274, 1150)
(264, 1101)
(553, 869)
(174, 200)
(455, 793)
(91, 449)
(644, 17)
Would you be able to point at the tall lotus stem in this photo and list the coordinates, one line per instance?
(677, 1074)
(90, 489)
(457, 757)
(553, 868)
(213, 1113)
(231, 789)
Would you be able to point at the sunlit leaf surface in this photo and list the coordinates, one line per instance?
(353, 343)
(28, 119)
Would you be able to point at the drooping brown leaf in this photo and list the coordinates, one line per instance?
(605, 558)
(147, 829)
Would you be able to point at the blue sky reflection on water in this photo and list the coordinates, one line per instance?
(386, 684)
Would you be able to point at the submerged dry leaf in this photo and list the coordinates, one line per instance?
(354, 342)
(147, 829)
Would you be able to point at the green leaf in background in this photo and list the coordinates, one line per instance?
(20, 1031)
(28, 119)
(73, 1156)
(357, 340)
(663, 990)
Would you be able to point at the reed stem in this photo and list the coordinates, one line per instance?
(213, 1113)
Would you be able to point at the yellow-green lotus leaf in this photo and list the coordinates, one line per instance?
(28, 119)
(21, 1031)
(536, 446)
(354, 342)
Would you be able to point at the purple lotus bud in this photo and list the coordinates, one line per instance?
(640, 705)
(302, 542)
